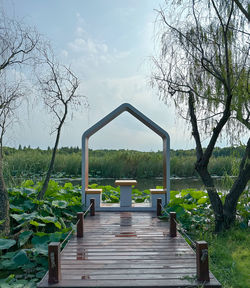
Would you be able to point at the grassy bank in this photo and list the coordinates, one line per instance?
(229, 252)
(230, 257)
(27, 163)
(23, 256)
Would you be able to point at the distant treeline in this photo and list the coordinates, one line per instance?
(28, 162)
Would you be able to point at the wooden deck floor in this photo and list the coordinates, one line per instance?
(123, 249)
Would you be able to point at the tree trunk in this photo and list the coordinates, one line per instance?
(51, 165)
(213, 196)
(225, 215)
(52, 161)
(4, 203)
(229, 209)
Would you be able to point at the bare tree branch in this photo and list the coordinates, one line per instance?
(58, 86)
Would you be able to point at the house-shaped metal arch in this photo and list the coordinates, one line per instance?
(146, 121)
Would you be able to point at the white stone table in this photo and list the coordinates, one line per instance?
(125, 191)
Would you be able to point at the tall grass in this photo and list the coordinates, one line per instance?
(113, 163)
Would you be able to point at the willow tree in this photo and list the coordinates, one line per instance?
(203, 66)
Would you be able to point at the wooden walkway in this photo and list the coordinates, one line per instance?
(127, 249)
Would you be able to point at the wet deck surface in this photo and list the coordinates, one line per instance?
(123, 249)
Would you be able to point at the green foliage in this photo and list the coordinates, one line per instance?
(229, 251)
(193, 209)
(112, 194)
(33, 163)
(229, 256)
(36, 223)
(54, 216)
(24, 237)
(6, 243)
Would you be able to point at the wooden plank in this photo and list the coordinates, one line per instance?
(93, 191)
(149, 259)
(128, 253)
(117, 260)
(125, 182)
(127, 248)
(126, 261)
(126, 276)
(133, 283)
(129, 265)
(125, 240)
(115, 271)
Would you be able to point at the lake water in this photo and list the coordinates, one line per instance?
(142, 184)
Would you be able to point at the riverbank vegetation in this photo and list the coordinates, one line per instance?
(229, 250)
(26, 162)
(23, 254)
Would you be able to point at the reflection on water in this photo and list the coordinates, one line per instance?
(125, 219)
(143, 184)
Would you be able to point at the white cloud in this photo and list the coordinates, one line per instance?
(65, 53)
(125, 131)
(80, 19)
(79, 32)
(87, 52)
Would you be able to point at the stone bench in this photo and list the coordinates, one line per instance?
(156, 194)
(93, 194)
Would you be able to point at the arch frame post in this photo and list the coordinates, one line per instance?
(147, 122)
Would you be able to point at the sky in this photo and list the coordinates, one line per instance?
(108, 44)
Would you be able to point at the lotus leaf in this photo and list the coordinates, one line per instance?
(38, 240)
(49, 219)
(21, 258)
(8, 265)
(28, 191)
(24, 216)
(24, 237)
(197, 194)
(59, 203)
(6, 243)
(16, 208)
(28, 204)
(9, 255)
(41, 249)
(202, 200)
(35, 223)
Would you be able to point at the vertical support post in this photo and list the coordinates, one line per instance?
(158, 207)
(202, 261)
(166, 166)
(54, 262)
(85, 167)
(92, 208)
(79, 227)
(172, 224)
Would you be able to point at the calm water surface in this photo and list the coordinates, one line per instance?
(142, 184)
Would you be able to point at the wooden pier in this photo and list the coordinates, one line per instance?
(128, 249)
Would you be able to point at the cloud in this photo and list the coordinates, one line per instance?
(89, 46)
(84, 51)
(108, 81)
(79, 32)
(65, 53)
